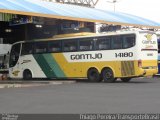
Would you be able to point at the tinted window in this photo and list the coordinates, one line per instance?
(158, 47)
(116, 42)
(40, 47)
(128, 41)
(14, 55)
(27, 48)
(103, 43)
(86, 44)
(69, 45)
(54, 46)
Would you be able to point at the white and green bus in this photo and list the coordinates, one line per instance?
(124, 55)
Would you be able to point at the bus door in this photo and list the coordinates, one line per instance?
(13, 62)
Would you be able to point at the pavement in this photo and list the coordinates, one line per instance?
(140, 95)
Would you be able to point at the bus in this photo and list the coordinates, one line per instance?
(97, 57)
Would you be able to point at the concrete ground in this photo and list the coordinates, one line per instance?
(141, 95)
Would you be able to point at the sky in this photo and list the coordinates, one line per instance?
(149, 9)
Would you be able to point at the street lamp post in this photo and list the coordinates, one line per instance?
(114, 3)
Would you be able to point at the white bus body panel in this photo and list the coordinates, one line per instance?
(27, 62)
(147, 46)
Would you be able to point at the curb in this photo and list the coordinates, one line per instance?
(19, 84)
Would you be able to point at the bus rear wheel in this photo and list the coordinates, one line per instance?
(108, 75)
(93, 75)
(125, 79)
(27, 75)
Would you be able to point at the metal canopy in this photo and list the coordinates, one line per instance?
(72, 12)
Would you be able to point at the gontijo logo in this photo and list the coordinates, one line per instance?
(15, 73)
(149, 36)
(149, 39)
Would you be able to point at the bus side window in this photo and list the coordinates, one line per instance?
(86, 44)
(41, 47)
(70, 45)
(158, 47)
(54, 46)
(128, 41)
(27, 48)
(103, 43)
(116, 42)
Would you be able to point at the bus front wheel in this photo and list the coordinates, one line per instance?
(93, 75)
(27, 75)
(125, 79)
(108, 75)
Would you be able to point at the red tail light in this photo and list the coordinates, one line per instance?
(139, 63)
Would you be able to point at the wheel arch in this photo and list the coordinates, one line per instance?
(27, 70)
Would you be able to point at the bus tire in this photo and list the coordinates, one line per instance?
(125, 79)
(108, 75)
(93, 75)
(27, 75)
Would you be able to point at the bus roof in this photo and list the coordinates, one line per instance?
(74, 35)
(86, 34)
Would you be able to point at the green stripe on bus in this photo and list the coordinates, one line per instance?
(44, 65)
(53, 65)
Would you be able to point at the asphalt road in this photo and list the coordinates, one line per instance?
(138, 96)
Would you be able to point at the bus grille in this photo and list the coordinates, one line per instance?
(127, 68)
